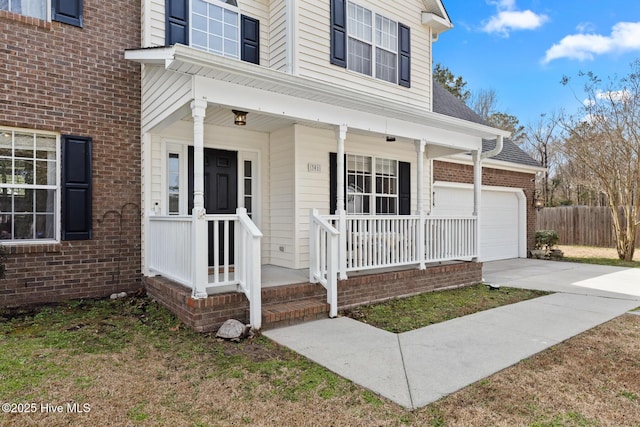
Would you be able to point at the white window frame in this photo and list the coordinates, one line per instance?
(47, 10)
(4, 131)
(375, 191)
(181, 151)
(224, 6)
(374, 44)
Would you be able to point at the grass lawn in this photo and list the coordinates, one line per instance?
(601, 256)
(130, 362)
(406, 314)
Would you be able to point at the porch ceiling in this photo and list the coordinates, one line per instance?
(275, 99)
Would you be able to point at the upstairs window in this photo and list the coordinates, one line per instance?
(215, 27)
(372, 40)
(66, 11)
(369, 43)
(34, 8)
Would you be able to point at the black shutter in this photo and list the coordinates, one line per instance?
(67, 11)
(333, 182)
(177, 22)
(404, 188)
(404, 55)
(250, 39)
(339, 33)
(76, 188)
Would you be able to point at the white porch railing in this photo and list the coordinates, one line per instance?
(398, 240)
(323, 258)
(176, 241)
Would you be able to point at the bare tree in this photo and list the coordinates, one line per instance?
(484, 102)
(605, 138)
(542, 142)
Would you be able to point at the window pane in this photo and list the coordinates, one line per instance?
(199, 39)
(5, 227)
(386, 63)
(6, 200)
(23, 200)
(247, 204)
(23, 226)
(359, 57)
(199, 22)
(199, 6)
(23, 172)
(34, 8)
(45, 147)
(5, 143)
(23, 145)
(174, 203)
(247, 187)
(247, 168)
(45, 173)
(45, 226)
(6, 173)
(45, 201)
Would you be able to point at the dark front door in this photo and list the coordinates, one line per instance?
(220, 193)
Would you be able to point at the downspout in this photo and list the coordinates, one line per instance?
(496, 150)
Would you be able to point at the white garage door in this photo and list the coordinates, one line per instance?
(500, 227)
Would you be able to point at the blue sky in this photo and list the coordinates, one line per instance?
(523, 48)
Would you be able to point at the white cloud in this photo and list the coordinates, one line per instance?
(509, 19)
(625, 36)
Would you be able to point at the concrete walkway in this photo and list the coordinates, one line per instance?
(418, 367)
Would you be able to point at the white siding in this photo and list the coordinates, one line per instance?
(312, 188)
(162, 93)
(314, 51)
(283, 248)
(155, 23)
(278, 35)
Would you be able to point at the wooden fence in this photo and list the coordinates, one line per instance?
(580, 225)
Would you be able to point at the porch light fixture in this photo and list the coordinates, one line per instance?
(240, 118)
(538, 203)
(391, 138)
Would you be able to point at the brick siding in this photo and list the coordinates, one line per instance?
(455, 172)
(71, 80)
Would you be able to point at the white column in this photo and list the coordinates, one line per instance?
(200, 235)
(420, 145)
(340, 205)
(477, 195)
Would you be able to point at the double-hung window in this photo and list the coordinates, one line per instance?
(372, 185)
(215, 27)
(29, 190)
(34, 8)
(372, 46)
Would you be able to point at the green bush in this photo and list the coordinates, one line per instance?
(546, 239)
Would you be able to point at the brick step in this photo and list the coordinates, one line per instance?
(279, 314)
(295, 292)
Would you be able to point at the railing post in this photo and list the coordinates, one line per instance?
(200, 248)
(342, 243)
(422, 238)
(255, 289)
(313, 263)
(332, 277)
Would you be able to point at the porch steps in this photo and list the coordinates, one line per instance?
(292, 304)
(293, 312)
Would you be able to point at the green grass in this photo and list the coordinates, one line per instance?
(406, 314)
(615, 262)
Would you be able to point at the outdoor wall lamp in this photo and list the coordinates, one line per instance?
(538, 203)
(240, 118)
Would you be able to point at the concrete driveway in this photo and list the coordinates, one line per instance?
(566, 277)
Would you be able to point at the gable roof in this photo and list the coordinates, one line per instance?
(444, 102)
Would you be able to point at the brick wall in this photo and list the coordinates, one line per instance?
(454, 172)
(57, 77)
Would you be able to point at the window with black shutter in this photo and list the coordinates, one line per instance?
(67, 11)
(249, 39)
(177, 22)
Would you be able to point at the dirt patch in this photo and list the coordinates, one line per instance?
(593, 252)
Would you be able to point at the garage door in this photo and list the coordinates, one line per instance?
(500, 227)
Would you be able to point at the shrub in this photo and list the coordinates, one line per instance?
(546, 239)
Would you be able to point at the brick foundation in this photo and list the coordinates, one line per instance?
(206, 315)
(71, 80)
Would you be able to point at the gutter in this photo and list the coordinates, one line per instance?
(496, 150)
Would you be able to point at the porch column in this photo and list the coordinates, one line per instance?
(477, 195)
(200, 236)
(420, 146)
(340, 205)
